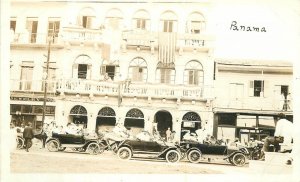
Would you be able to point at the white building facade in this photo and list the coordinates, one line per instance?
(145, 64)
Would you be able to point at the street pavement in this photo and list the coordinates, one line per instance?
(108, 166)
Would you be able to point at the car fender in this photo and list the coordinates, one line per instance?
(51, 139)
(124, 145)
(193, 148)
(164, 152)
(233, 153)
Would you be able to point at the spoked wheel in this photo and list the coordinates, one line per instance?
(239, 159)
(53, 146)
(93, 148)
(20, 143)
(124, 153)
(102, 148)
(173, 156)
(194, 156)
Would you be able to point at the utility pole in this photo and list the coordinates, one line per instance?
(45, 77)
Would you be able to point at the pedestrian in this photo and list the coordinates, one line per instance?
(282, 102)
(13, 137)
(168, 134)
(28, 135)
(283, 134)
(172, 136)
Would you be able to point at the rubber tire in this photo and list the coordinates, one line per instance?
(20, 143)
(95, 150)
(172, 152)
(53, 149)
(62, 149)
(239, 159)
(127, 152)
(194, 152)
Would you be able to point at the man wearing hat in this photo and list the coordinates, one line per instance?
(28, 135)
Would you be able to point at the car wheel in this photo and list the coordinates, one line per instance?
(239, 159)
(124, 153)
(53, 146)
(172, 156)
(93, 148)
(62, 148)
(102, 148)
(20, 143)
(194, 156)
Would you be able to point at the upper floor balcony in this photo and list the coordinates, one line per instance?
(35, 40)
(182, 41)
(254, 104)
(104, 88)
(75, 35)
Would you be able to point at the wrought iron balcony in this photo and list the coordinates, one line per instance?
(33, 39)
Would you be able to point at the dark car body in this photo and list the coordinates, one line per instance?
(195, 151)
(149, 149)
(82, 143)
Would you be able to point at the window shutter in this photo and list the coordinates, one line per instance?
(266, 88)
(79, 20)
(251, 88)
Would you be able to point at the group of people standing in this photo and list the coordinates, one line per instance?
(27, 133)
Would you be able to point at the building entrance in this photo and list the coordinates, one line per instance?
(163, 121)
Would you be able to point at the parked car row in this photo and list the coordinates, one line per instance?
(154, 147)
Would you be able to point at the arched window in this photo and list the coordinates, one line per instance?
(168, 22)
(165, 74)
(191, 121)
(78, 115)
(86, 18)
(106, 112)
(138, 70)
(193, 73)
(113, 19)
(195, 23)
(82, 67)
(135, 121)
(78, 110)
(135, 113)
(141, 20)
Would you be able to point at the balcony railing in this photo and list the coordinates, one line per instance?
(251, 103)
(148, 39)
(81, 34)
(33, 85)
(33, 38)
(138, 38)
(82, 86)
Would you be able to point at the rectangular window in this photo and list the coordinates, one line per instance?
(13, 24)
(168, 26)
(31, 26)
(256, 88)
(53, 28)
(236, 91)
(137, 74)
(141, 24)
(195, 27)
(26, 77)
(82, 71)
(87, 21)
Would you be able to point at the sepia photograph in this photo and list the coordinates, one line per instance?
(150, 90)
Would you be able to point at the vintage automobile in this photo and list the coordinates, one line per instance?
(196, 151)
(81, 143)
(151, 147)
